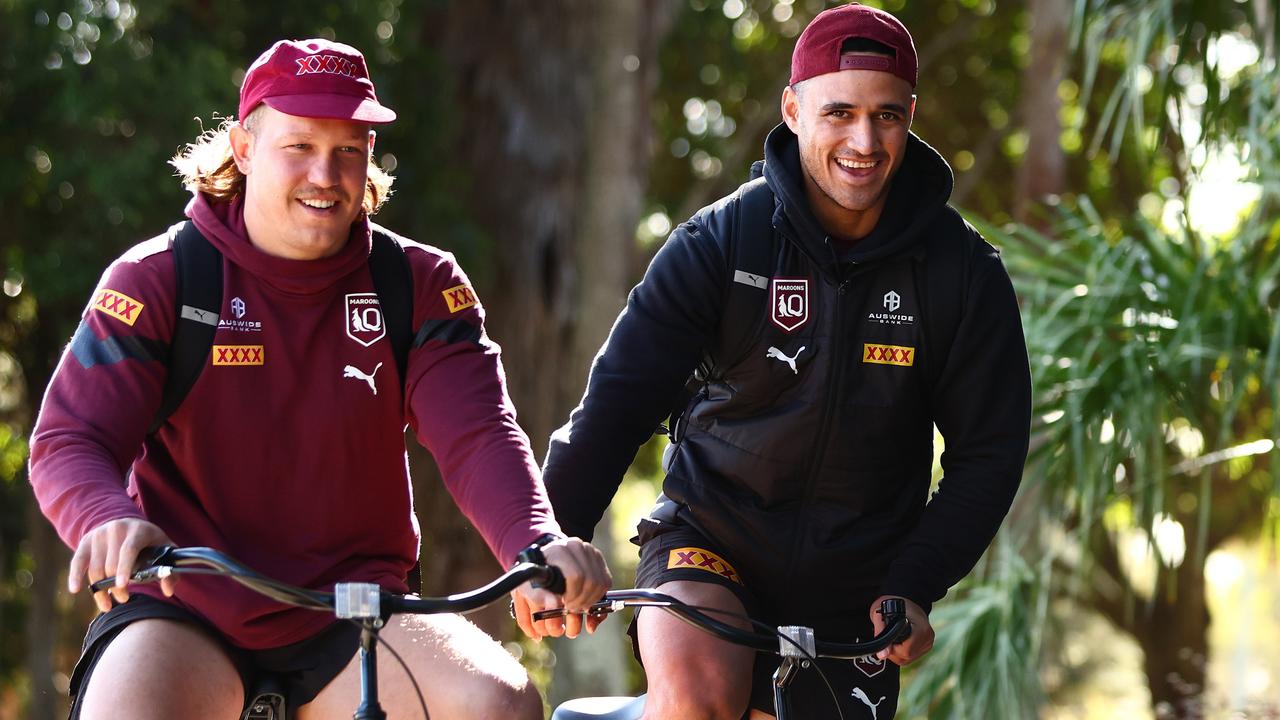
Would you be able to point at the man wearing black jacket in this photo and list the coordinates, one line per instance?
(798, 488)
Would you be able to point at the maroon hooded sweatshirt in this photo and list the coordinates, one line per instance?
(288, 453)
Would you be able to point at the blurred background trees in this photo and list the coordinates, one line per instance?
(1121, 153)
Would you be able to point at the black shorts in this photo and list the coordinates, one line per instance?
(672, 551)
(298, 672)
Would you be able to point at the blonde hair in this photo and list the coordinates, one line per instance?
(208, 166)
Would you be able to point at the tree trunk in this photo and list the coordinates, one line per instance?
(1043, 171)
(553, 101)
(1175, 643)
(42, 616)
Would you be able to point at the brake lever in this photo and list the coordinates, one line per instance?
(597, 610)
(156, 564)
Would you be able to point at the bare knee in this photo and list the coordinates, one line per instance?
(692, 674)
(693, 706)
(463, 673)
(502, 700)
(179, 670)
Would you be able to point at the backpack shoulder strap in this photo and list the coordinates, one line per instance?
(947, 271)
(393, 281)
(750, 251)
(198, 270)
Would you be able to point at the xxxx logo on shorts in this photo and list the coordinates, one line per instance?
(888, 355)
(458, 298)
(118, 305)
(238, 355)
(699, 559)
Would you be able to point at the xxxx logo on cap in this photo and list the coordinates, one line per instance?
(118, 305)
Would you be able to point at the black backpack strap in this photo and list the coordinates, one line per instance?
(198, 269)
(947, 261)
(393, 281)
(750, 251)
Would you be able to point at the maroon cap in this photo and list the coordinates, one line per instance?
(818, 49)
(313, 78)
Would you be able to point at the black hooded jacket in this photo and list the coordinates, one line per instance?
(817, 476)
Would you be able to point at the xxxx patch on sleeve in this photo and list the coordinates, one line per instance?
(459, 297)
(118, 305)
(699, 559)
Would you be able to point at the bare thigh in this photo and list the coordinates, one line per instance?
(462, 672)
(692, 674)
(159, 668)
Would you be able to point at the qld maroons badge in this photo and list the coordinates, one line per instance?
(364, 318)
(870, 665)
(789, 302)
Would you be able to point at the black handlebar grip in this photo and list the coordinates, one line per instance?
(894, 609)
(552, 580)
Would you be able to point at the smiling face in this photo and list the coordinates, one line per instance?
(304, 181)
(852, 126)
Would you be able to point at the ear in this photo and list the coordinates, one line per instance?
(791, 109)
(241, 147)
(911, 111)
(373, 137)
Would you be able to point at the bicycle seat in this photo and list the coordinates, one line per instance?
(601, 708)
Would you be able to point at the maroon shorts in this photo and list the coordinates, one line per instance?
(297, 672)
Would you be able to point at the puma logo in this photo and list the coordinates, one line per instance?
(351, 371)
(777, 354)
(858, 693)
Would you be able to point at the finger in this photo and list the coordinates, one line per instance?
(572, 624)
(102, 600)
(553, 627)
(168, 585)
(126, 558)
(603, 578)
(524, 619)
(79, 566)
(95, 561)
(571, 567)
(593, 622)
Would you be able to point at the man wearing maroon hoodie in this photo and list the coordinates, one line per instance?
(287, 453)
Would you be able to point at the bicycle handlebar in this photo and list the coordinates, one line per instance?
(158, 562)
(897, 627)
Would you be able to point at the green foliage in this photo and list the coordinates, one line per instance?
(1184, 332)
(986, 652)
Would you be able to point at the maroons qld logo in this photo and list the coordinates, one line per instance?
(364, 318)
(789, 302)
